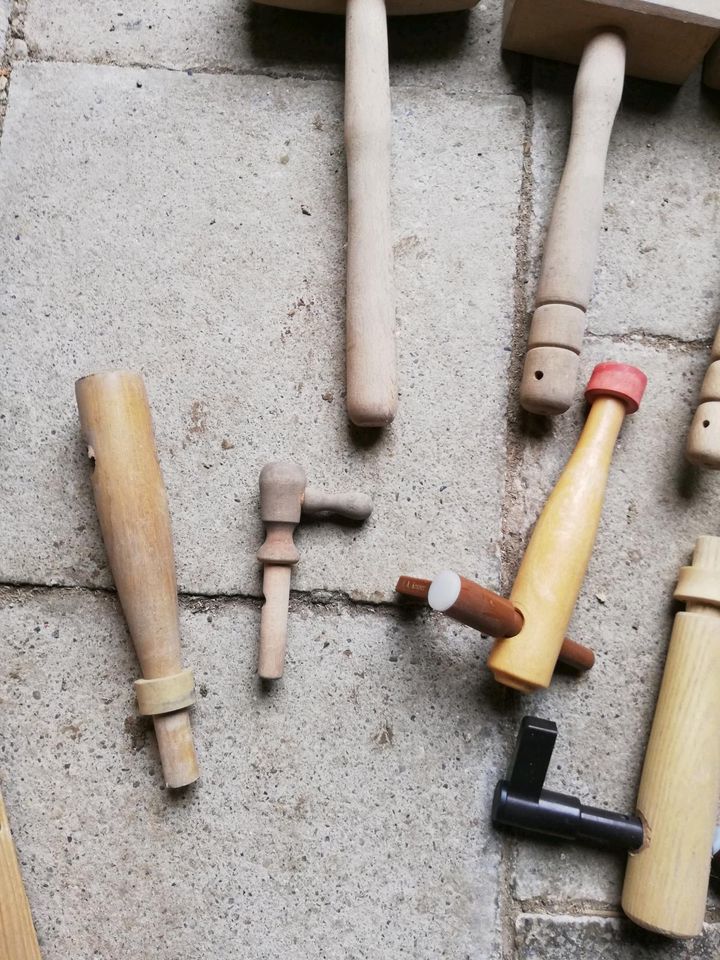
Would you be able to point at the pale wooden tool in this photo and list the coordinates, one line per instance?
(703, 443)
(656, 39)
(475, 606)
(667, 879)
(372, 393)
(133, 512)
(556, 559)
(18, 940)
(284, 496)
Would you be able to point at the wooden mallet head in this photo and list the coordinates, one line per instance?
(284, 497)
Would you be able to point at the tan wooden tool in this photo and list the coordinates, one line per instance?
(18, 940)
(284, 496)
(133, 512)
(667, 879)
(556, 559)
(469, 603)
(656, 39)
(372, 393)
(703, 443)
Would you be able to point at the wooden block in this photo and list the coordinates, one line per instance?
(711, 72)
(393, 8)
(666, 39)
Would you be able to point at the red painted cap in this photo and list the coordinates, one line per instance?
(617, 380)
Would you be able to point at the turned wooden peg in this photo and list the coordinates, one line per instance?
(556, 559)
(467, 602)
(284, 497)
(372, 392)
(653, 39)
(132, 508)
(666, 881)
(18, 940)
(703, 443)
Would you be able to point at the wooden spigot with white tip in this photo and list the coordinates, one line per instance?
(553, 567)
(372, 391)
(284, 497)
(653, 39)
(132, 508)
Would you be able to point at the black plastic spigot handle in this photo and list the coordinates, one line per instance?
(521, 801)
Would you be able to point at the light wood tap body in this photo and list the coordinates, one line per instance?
(666, 881)
(554, 564)
(132, 508)
(18, 940)
(703, 443)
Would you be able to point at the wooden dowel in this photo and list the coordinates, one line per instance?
(563, 295)
(371, 365)
(274, 621)
(18, 940)
(666, 881)
(132, 508)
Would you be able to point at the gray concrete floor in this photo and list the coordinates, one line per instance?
(153, 165)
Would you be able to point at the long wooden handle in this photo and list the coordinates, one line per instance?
(132, 508)
(554, 565)
(551, 364)
(666, 881)
(274, 621)
(18, 940)
(354, 506)
(703, 444)
(371, 365)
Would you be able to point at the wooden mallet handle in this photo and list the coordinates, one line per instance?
(556, 559)
(563, 295)
(132, 508)
(18, 940)
(371, 364)
(666, 881)
(469, 603)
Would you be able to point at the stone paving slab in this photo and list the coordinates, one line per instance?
(658, 261)
(565, 938)
(154, 220)
(344, 814)
(455, 50)
(656, 507)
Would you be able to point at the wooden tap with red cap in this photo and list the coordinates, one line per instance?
(284, 497)
(530, 627)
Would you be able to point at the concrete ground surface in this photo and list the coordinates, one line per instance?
(156, 161)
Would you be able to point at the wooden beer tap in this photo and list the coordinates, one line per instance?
(132, 508)
(653, 39)
(553, 568)
(469, 603)
(284, 496)
(18, 940)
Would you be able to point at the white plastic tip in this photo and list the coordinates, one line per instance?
(444, 590)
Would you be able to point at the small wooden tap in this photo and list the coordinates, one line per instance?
(556, 559)
(703, 443)
(132, 508)
(666, 880)
(18, 940)
(653, 39)
(284, 496)
(469, 603)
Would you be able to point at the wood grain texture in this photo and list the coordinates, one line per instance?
(556, 559)
(703, 443)
(665, 41)
(18, 940)
(132, 508)
(666, 881)
(370, 324)
(566, 276)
